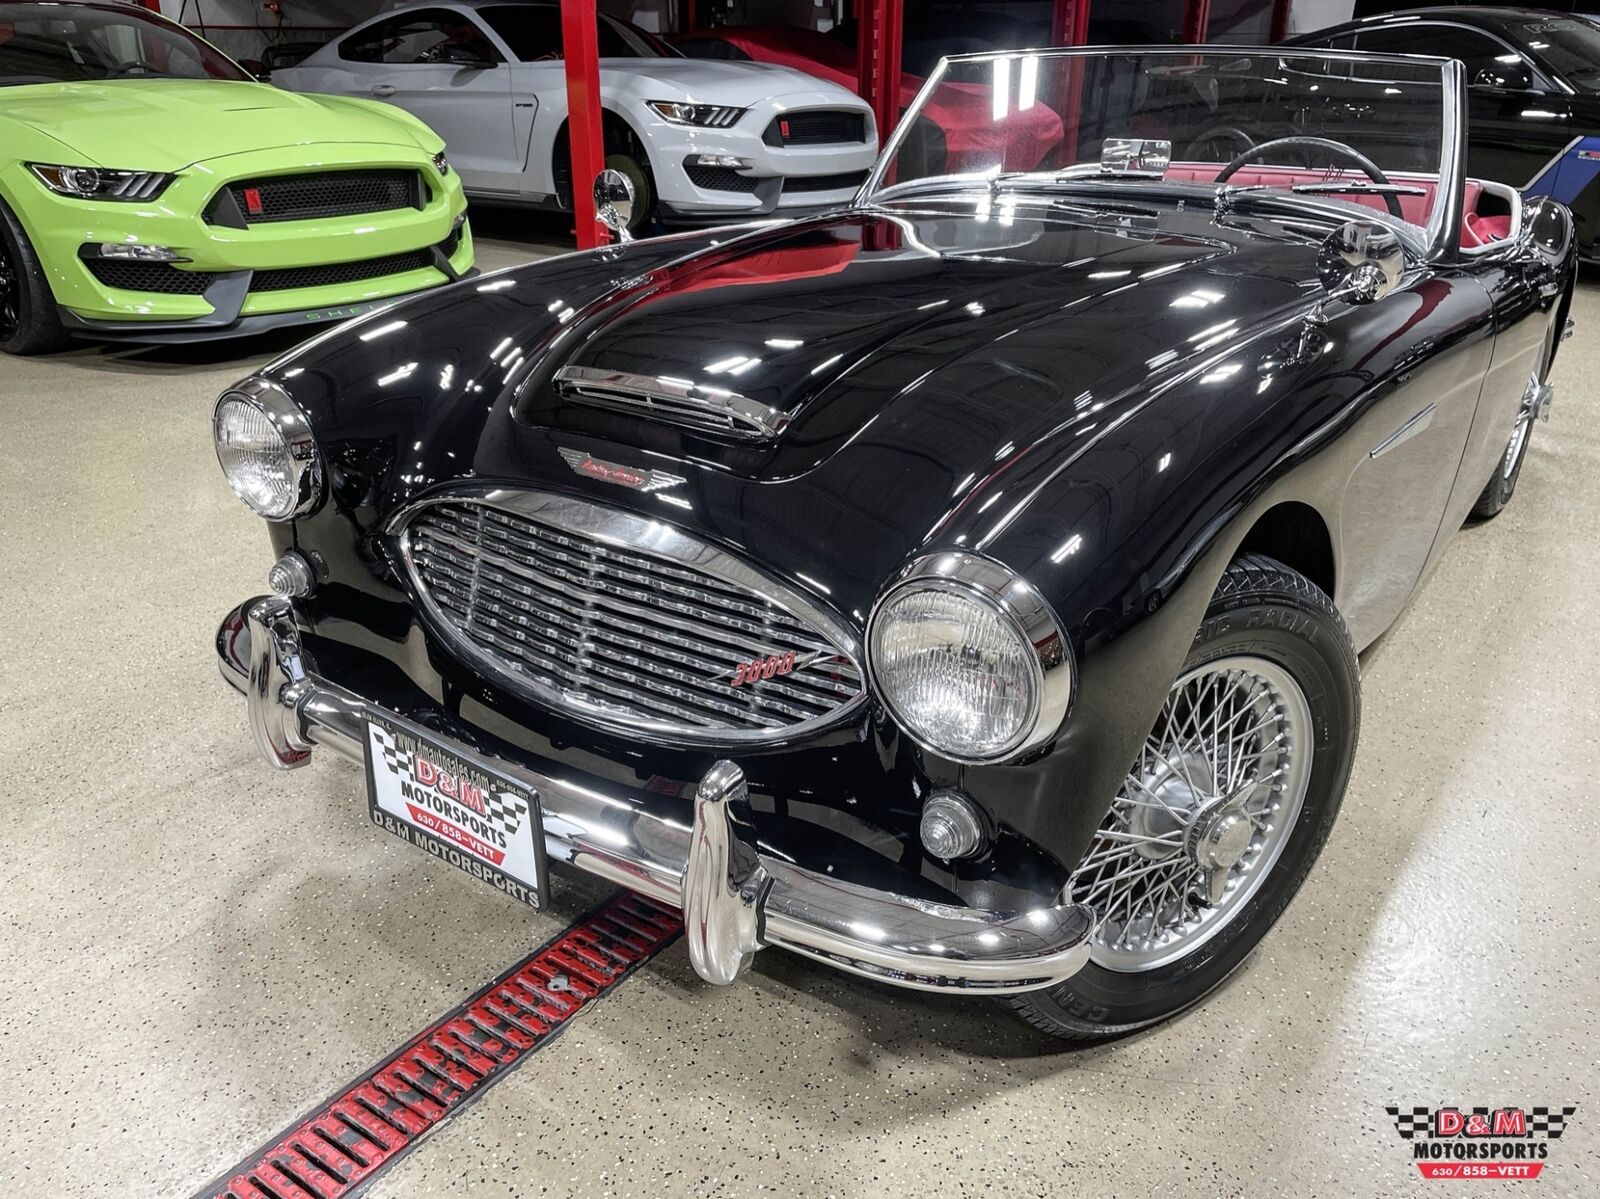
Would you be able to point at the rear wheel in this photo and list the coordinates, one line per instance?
(1497, 491)
(29, 323)
(1223, 814)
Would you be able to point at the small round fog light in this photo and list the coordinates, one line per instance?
(291, 576)
(951, 827)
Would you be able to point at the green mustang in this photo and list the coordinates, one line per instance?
(151, 191)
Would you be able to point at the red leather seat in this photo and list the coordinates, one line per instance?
(1475, 230)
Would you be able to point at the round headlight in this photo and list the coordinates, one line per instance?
(969, 659)
(265, 447)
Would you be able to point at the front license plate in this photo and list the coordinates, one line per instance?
(455, 806)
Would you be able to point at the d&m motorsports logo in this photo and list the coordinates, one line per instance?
(1500, 1143)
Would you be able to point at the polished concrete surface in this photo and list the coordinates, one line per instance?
(197, 949)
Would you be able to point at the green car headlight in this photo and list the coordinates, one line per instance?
(98, 183)
(441, 163)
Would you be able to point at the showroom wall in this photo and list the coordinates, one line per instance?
(232, 24)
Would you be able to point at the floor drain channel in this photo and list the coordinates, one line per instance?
(348, 1140)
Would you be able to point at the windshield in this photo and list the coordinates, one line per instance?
(1366, 130)
(1569, 46)
(71, 43)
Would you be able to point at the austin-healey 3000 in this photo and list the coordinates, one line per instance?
(962, 588)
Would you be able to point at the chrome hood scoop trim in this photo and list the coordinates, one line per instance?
(673, 401)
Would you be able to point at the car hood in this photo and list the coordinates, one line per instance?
(169, 124)
(937, 365)
(712, 82)
(836, 324)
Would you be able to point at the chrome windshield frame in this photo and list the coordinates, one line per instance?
(1443, 231)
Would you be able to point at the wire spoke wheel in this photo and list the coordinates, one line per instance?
(1519, 439)
(1203, 815)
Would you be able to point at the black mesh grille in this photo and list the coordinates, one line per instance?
(824, 183)
(335, 193)
(719, 179)
(149, 276)
(289, 278)
(817, 127)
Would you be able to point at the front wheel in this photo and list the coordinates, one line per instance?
(1223, 813)
(29, 323)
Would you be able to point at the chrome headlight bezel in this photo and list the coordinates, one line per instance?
(1016, 602)
(302, 458)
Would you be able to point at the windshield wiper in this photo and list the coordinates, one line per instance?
(1357, 189)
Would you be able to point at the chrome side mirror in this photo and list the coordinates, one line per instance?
(1360, 262)
(613, 202)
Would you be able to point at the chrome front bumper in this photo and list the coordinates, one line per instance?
(734, 898)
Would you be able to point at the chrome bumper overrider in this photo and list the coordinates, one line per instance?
(735, 899)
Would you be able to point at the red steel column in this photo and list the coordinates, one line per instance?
(1280, 21)
(582, 52)
(688, 16)
(878, 61)
(1196, 17)
(1069, 23)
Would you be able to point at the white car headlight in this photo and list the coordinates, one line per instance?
(709, 116)
(266, 450)
(969, 659)
(97, 183)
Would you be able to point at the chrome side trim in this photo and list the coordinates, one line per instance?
(1405, 432)
(675, 401)
(736, 900)
(653, 538)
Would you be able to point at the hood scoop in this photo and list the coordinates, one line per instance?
(672, 401)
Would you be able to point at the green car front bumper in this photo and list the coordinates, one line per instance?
(246, 274)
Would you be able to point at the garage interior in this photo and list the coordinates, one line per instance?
(211, 948)
(202, 951)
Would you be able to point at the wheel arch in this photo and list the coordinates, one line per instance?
(1294, 533)
(614, 127)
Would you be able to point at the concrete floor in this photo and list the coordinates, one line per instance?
(197, 949)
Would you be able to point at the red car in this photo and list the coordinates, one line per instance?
(961, 128)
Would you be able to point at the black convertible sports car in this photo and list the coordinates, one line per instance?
(963, 588)
(1533, 93)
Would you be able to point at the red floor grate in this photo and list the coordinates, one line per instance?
(348, 1140)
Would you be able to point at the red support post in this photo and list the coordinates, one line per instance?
(1069, 23)
(878, 61)
(1280, 21)
(581, 47)
(1196, 17)
(688, 17)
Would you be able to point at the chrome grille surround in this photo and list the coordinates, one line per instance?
(675, 401)
(623, 622)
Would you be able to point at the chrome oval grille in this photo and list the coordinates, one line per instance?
(625, 621)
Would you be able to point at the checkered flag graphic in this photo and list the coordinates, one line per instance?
(1549, 1122)
(1409, 1122)
(505, 812)
(397, 761)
